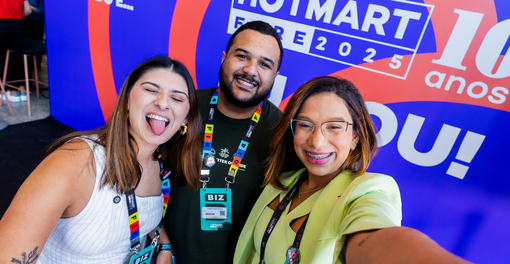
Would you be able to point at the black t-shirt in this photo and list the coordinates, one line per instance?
(182, 220)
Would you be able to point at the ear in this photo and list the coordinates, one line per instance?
(223, 58)
(354, 141)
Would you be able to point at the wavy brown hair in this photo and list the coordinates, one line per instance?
(283, 157)
(182, 152)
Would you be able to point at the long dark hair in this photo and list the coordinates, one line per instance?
(182, 152)
(283, 157)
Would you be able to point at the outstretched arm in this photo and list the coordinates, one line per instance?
(57, 187)
(396, 245)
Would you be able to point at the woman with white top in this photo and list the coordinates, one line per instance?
(99, 193)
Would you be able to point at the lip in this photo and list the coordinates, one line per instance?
(245, 84)
(159, 115)
(313, 160)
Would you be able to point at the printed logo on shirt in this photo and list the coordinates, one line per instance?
(223, 158)
(224, 153)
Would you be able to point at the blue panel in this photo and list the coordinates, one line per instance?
(73, 97)
(138, 35)
(458, 214)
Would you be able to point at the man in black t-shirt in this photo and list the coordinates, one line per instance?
(204, 225)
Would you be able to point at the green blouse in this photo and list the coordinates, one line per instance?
(345, 206)
(282, 236)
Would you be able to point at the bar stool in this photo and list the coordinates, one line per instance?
(2, 94)
(29, 47)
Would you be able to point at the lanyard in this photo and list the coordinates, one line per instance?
(133, 210)
(276, 216)
(209, 159)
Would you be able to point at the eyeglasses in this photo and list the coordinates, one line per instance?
(302, 129)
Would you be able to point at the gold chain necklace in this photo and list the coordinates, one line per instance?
(316, 189)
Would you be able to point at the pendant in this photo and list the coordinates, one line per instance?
(209, 161)
(293, 255)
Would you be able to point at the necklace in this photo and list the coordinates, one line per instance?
(316, 189)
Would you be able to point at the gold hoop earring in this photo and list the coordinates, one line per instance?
(184, 128)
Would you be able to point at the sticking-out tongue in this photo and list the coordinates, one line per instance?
(157, 126)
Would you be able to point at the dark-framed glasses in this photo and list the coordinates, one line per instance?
(303, 129)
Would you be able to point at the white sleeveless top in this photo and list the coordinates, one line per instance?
(100, 233)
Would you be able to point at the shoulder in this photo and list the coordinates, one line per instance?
(375, 178)
(370, 183)
(271, 111)
(72, 154)
(207, 92)
(203, 98)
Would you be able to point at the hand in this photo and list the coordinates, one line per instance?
(164, 257)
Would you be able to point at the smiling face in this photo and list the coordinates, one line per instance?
(249, 68)
(158, 104)
(324, 157)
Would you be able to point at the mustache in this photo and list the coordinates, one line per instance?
(246, 77)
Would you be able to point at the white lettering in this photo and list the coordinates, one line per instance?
(501, 98)
(440, 149)
(462, 83)
(271, 8)
(406, 16)
(485, 90)
(389, 122)
(378, 23)
(294, 8)
(352, 9)
(460, 39)
(490, 50)
(278, 89)
(326, 10)
(438, 83)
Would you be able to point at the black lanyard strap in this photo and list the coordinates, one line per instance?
(133, 210)
(209, 159)
(278, 211)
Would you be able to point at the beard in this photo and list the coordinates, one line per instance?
(228, 90)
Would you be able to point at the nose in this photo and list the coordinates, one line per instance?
(317, 138)
(250, 67)
(162, 101)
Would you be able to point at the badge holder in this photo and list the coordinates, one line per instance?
(216, 209)
(144, 256)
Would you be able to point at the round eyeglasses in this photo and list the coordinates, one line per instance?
(302, 129)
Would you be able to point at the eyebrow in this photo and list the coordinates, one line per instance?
(153, 84)
(305, 118)
(159, 87)
(270, 61)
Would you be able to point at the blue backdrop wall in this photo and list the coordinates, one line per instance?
(436, 75)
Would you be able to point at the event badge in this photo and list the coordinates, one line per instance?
(142, 257)
(216, 209)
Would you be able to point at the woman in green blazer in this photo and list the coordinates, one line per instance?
(319, 205)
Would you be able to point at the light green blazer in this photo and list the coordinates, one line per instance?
(347, 205)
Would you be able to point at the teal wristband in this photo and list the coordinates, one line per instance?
(165, 247)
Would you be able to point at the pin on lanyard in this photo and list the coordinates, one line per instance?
(209, 160)
(133, 210)
(292, 255)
